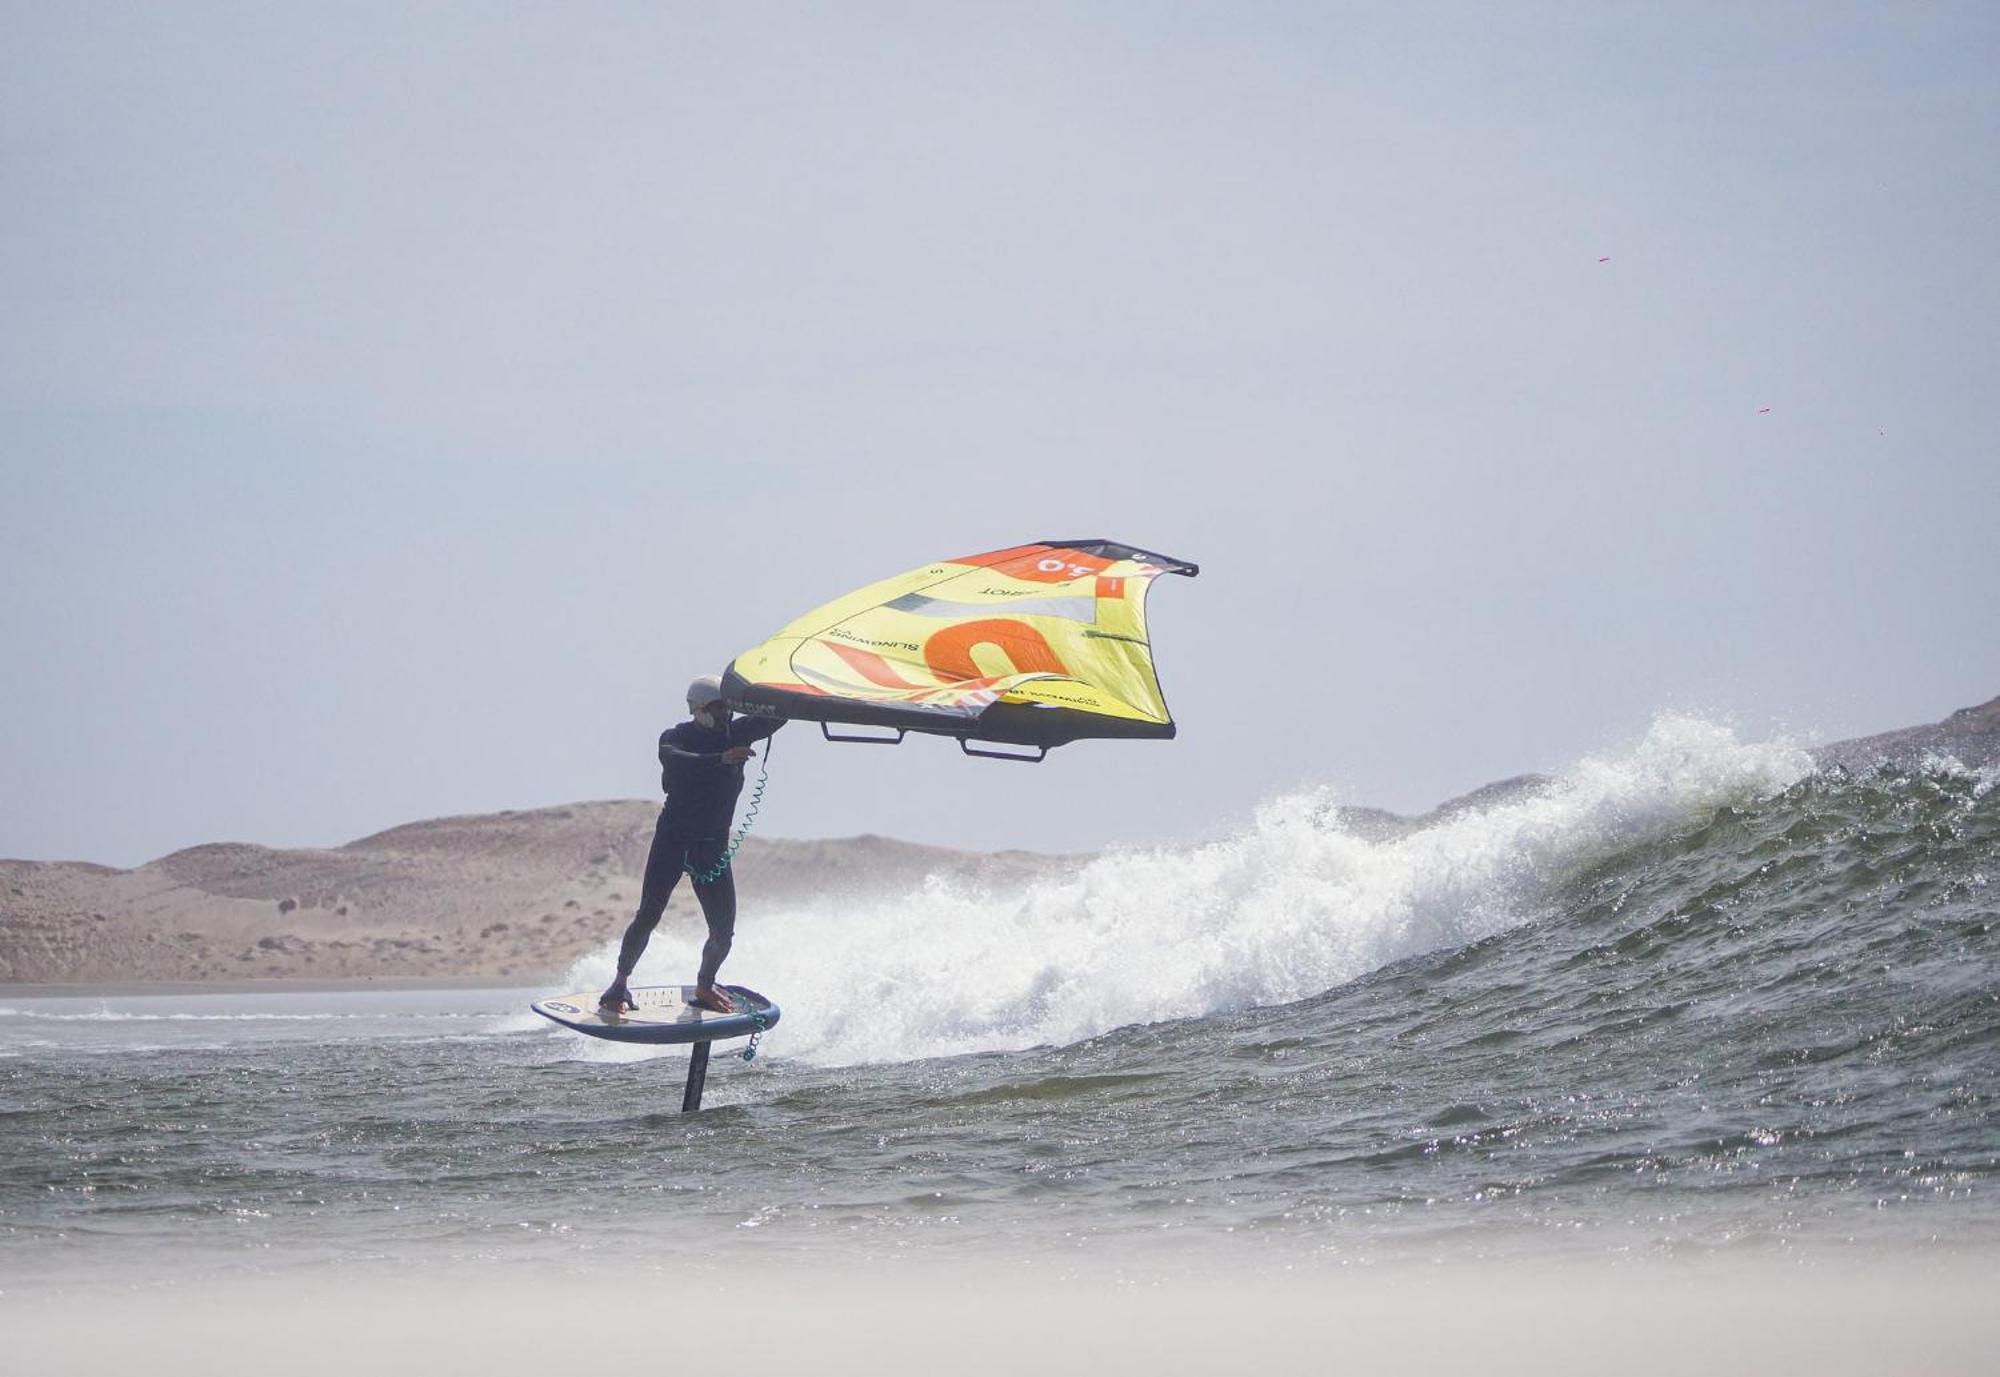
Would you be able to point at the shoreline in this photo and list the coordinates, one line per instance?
(129, 989)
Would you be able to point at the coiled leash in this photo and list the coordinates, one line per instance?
(760, 1024)
(710, 876)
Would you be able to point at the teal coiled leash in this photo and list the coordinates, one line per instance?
(760, 1024)
(710, 876)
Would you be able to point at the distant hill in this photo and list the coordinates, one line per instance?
(516, 894)
(1971, 736)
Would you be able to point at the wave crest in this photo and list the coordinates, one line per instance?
(1293, 905)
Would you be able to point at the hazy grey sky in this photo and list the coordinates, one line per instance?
(399, 405)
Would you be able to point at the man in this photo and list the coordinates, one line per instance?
(701, 769)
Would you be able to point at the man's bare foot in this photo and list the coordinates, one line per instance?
(615, 1000)
(714, 999)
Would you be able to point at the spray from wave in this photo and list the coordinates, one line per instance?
(1292, 906)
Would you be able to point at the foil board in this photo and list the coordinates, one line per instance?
(664, 1015)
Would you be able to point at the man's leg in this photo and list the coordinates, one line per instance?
(718, 906)
(663, 872)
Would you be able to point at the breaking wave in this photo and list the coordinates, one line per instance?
(1293, 905)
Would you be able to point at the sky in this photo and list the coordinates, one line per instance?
(400, 404)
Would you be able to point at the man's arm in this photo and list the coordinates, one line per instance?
(744, 730)
(672, 755)
(681, 767)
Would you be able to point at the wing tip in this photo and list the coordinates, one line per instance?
(1118, 549)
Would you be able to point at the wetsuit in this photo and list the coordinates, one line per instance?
(692, 834)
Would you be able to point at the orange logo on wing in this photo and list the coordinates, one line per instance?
(949, 652)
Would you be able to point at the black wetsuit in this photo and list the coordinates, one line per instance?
(692, 834)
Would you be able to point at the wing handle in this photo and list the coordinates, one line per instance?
(826, 730)
(965, 744)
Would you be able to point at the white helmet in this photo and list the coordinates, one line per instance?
(704, 692)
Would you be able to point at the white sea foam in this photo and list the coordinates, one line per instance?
(1292, 906)
(1983, 778)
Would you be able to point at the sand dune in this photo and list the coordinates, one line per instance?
(508, 895)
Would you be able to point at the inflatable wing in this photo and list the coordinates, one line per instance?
(1034, 646)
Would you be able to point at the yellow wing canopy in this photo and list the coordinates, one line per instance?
(1034, 646)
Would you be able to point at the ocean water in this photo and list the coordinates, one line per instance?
(1694, 1000)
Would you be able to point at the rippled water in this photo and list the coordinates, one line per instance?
(1691, 1000)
